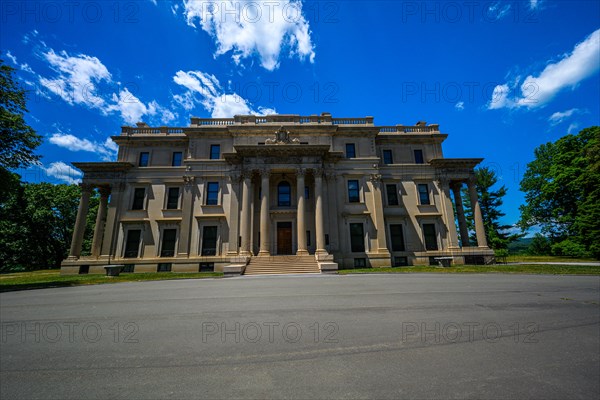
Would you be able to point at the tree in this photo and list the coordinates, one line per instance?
(19, 140)
(562, 193)
(490, 202)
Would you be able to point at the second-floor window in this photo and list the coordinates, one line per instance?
(177, 159)
(423, 194)
(387, 157)
(392, 195)
(212, 193)
(353, 191)
(284, 194)
(173, 198)
(144, 159)
(215, 151)
(419, 157)
(350, 150)
(139, 194)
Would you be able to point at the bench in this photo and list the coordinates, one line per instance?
(113, 270)
(444, 261)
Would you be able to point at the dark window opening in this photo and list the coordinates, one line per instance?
(424, 194)
(392, 195)
(138, 199)
(430, 237)
(419, 157)
(144, 158)
(164, 267)
(357, 238)
(400, 261)
(215, 151)
(397, 237)
(212, 193)
(169, 238)
(177, 159)
(173, 198)
(387, 157)
(206, 267)
(128, 268)
(353, 191)
(209, 241)
(350, 150)
(284, 194)
(132, 244)
(84, 269)
(360, 263)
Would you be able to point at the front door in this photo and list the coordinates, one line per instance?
(284, 238)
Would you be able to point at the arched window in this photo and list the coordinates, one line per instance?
(284, 194)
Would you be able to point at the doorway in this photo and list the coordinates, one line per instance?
(284, 238)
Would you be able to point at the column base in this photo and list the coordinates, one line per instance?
(72, 258)
(323, 255)
(264, 253)
(301, 252)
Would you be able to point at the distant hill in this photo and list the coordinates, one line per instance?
(520, 245)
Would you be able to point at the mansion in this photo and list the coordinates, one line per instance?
(277, 193)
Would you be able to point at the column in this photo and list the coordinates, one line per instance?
(111, 232)
(449, 213)
(79, 230)
(378, 212)
(245, 220)
(234, 212)
(320, 234)
(265, 237)
(100, 220)
(332, 213)
(187, 216)
(460, 214)
(301, 234)
(479, 227)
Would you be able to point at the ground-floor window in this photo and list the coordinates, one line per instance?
(164, 267)
(360, 263)
(209, 241)
(206, 267)
(128, 268)
(397, 237)
(84, 269)
(430, 237)
(169, 238)
(400, 261)
(357, 238)
(132, 243)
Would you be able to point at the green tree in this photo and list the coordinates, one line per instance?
(490, 201)
(562, 193)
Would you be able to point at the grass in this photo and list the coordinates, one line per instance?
(527, 258)
(52, 278)
(479, 269)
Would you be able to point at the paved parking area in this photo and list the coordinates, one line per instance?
(368, 336)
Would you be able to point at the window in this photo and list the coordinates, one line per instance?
(284, 194)
(397, 237)
(308, 238)
(144, 158)
(350, 150)
(419, 157)
(212, 193)
(360, 263)
(84, 269)
(430, 237)
(206, 267)
(215, 151)
(209, 241)
(423, 193)
(353, 191)
(392, 195)
(306, 192)
(387, 157)
(173, 198)
(139, 194)
(169, 238)
(132, 243)
(177, 159)
(357, 238)
(128, 268)
(164, 267)
(400, 261)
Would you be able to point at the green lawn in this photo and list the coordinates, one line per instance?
(526, 258)
(478, 269)
(52, 278)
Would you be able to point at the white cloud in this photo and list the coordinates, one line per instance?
(497, 10)
(155, 2)
(559, 117)
(533, 4)
(573, 128)
(248, 28)
(107, 150)
(205, 89)
(580, 64)
(460, 105)
(12, 58)
(63, 172)
(130, 107)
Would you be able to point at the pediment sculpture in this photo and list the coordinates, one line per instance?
(282, 136)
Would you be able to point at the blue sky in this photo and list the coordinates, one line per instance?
(500, 77)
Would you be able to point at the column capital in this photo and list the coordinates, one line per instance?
(86, 187)
(330, 175)
(375, 178)
(264, 172)
(188, 180)
(456, 185)
(318, 172)
(104, 191)
(300, 171)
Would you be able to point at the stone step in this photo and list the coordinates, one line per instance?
(269, 265)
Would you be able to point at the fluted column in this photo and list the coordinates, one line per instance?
(234, 214)
(449, 212)
(479, 227)
(320, 234)
(245, 222)
(300, 217)
(100, 220)
(378, 212)
(460, 214)
(79, 230)
(265, 242)
(187, 215)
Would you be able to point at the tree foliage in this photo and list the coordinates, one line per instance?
(562, 193)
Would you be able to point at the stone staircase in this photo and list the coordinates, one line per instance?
(282, 265)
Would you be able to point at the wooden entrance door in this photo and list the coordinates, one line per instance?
(284, 238)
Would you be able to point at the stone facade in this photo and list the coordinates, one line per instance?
(221, 191)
